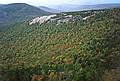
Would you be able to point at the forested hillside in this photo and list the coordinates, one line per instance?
(83, 50)
(18, 12)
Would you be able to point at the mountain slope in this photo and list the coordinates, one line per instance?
(18, 12)
(73, 51)
(72, 7)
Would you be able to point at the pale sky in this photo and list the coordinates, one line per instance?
(58, 2)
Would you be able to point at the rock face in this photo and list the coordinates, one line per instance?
(66, 20)
(51, 18)
(85, 18)
(41, 20)
(58, 19)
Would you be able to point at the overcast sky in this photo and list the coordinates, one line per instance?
(57, 2)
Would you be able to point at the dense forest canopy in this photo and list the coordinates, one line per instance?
(79, 51)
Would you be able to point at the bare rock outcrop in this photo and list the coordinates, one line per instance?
(58, 19)
(41, 20)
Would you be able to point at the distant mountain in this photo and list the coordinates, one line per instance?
(18, 12)
(72, 7)
(1, 4)
(49, 9)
